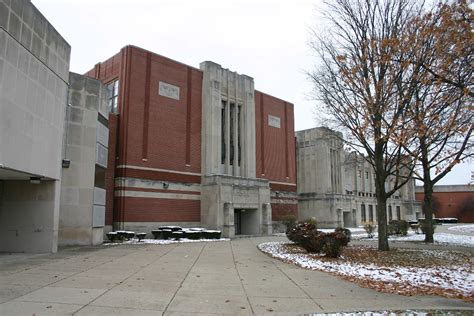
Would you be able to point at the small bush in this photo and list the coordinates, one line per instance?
(424, 223)
(398, 227)
(313, 241)
(369, 228)
(333, 244)
(346, 232)
(297, 233)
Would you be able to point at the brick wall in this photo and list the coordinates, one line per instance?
(453, 204)
(276, 151)
(275, 146)
(161, 132)
(159, 138)
(280, 210)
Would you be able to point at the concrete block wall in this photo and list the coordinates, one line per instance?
(82, 214)
(34, 66)
(22, 20)
(29, 216)
(34, 62)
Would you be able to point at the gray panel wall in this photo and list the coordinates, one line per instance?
(34, 66)
(29, 216)
(34, 63)
(83, 205)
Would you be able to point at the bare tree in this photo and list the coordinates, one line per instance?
(365, 86)
(441, 111)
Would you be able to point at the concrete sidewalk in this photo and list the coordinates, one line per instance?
(231, 277)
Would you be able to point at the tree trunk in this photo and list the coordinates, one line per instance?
(382, 223)
(428, 210)
(428, 192)
(380, 191)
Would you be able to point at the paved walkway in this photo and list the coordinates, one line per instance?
(231, 277)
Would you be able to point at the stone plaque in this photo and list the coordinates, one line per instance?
(168, 90)
(274, 121)
(245, 196)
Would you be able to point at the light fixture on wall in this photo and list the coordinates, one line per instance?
(166, 185)
(35, 180)
(66, 163)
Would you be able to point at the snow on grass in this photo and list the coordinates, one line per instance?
(463, 228)
(440, 238)
(457, 278)
(135, 241)
(353, 230)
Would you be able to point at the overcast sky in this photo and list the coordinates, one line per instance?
(265, 39)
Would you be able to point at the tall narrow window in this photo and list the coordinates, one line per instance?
(223, 145)
(112, 96)
(389, 212)
(231, 134)
(363, 217)
(371, 213)
(239, 152)
(399, 215)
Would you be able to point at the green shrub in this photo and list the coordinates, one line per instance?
(398, 227)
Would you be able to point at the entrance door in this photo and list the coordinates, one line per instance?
(238, 222)
(347, 218)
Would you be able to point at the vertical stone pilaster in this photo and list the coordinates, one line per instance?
(266, 227)
(229, 228)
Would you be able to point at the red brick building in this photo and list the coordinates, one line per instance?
(194, 147)
(452, 201)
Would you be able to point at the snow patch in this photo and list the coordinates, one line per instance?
(163, 241)
(440, 238)
(458, 278)
(463, 228)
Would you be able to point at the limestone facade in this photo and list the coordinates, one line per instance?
(232, 199)
(85, 147)
(337, 187)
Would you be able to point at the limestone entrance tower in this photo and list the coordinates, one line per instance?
(232, 198)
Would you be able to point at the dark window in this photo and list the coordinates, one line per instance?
(112, 96)
(223, 145)
(99, 179)
(371, 213)
(399, 215)
(389, 212)
(366, 174)
(362, 213)
(231, 134)
(239, 153)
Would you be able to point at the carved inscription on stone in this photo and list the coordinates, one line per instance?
(274, 121)
(245, 196)
(168, 90)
